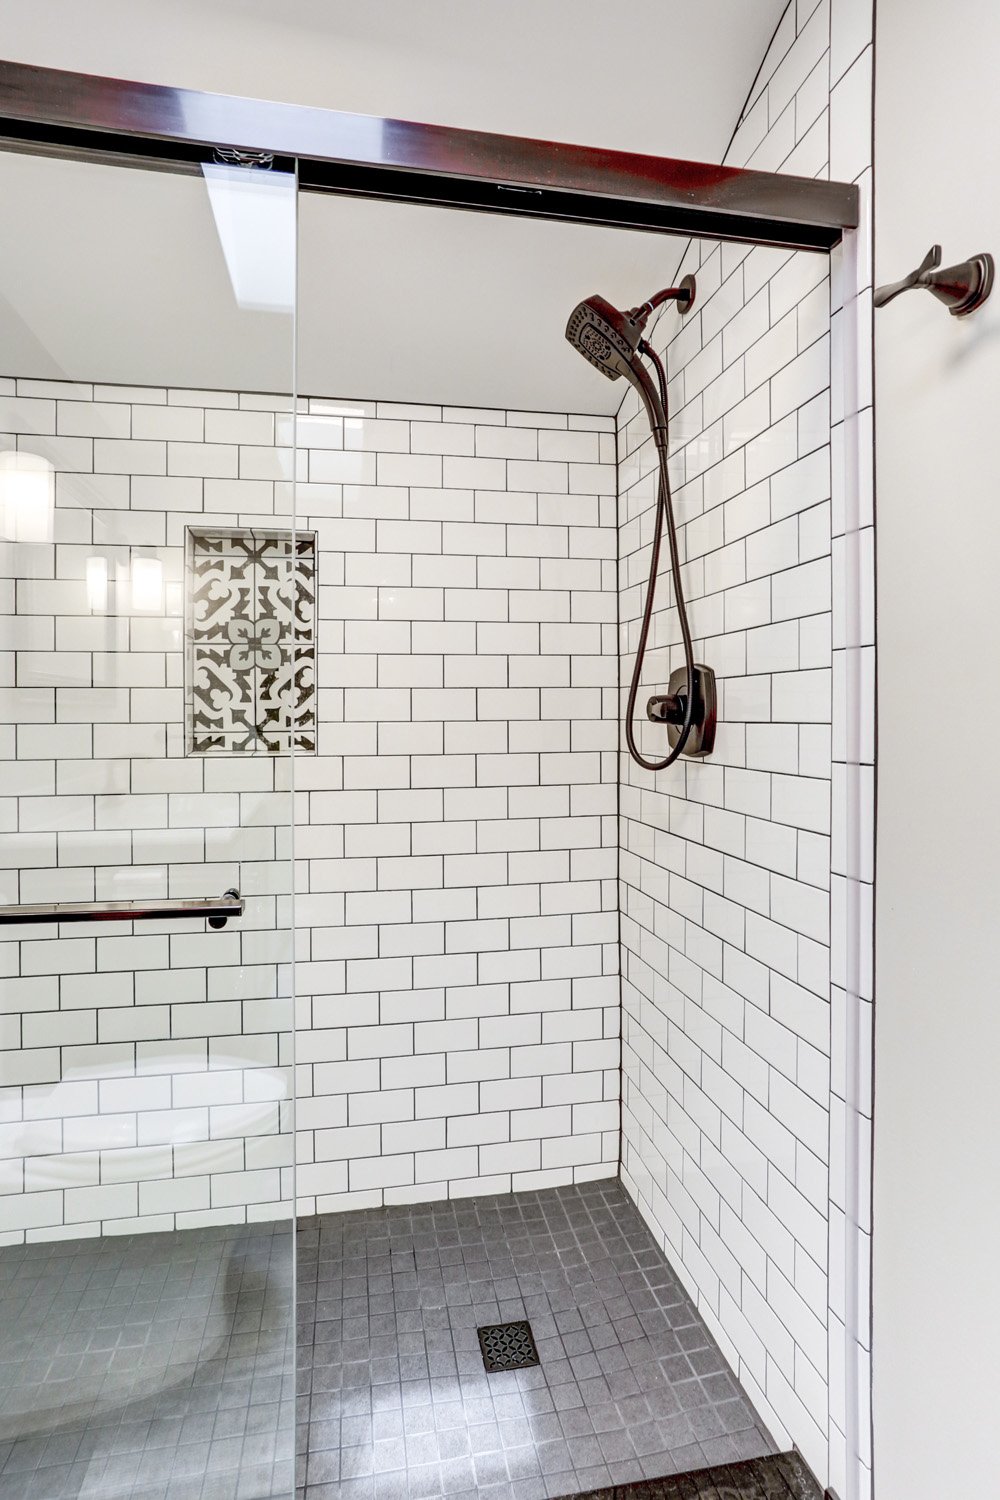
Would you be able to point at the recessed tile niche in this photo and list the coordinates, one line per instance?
(249, 615)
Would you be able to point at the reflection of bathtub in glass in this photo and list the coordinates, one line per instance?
(170, 1132)
(127, 1325)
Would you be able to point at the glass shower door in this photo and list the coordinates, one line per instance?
(156, 650)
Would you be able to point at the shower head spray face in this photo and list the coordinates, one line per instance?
(604, 336)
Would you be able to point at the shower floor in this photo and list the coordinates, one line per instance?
(156, 1367)
(396, 1405)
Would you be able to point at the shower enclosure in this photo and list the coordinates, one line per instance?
(358, 990)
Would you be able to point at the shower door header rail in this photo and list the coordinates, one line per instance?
(141, 124)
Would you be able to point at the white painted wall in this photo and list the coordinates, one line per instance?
(937, 1118)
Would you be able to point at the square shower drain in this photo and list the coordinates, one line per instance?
(507, 1346)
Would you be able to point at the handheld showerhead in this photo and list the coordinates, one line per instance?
(610, 339)
(606, 337)
(612, 342)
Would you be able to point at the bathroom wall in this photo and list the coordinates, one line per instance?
(937, 1030)
(456, 957)
(458, 850)
(732, 1121)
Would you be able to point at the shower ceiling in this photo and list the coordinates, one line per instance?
(398, 302)
(466, 309)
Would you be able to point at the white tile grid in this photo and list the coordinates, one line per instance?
(457, 954)
(729, 1118)
(458, 895)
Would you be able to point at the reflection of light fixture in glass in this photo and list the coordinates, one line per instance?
(147, 583)
(254, 212)
(97, 584)
(27, 497)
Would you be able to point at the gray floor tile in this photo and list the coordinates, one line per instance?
(158, 1367)
(630, 1384)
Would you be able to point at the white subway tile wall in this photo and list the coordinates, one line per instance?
(458, 1025)
(728, 1115)
(456, 836)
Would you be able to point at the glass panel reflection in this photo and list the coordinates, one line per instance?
(146, 386)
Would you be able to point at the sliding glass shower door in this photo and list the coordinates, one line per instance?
(156, 646)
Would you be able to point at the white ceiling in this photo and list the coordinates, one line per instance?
(118, 275)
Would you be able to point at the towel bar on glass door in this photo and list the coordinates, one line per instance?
(218, 910)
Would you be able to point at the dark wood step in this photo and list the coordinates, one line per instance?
(783, 1477)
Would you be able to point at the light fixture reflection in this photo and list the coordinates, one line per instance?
(147, 583)
(27, 497)
(254, 212)
(97, 584)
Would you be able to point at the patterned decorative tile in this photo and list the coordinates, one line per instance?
(251, 645)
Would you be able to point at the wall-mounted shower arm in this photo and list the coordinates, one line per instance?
(683, 295)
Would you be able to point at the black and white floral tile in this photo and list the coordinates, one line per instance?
(250, 626)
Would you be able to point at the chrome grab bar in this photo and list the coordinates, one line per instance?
(218, 910)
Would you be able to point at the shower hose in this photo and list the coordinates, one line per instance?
(664, 517)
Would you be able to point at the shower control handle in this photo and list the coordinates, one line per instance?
(666, 708)
(669, 708)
